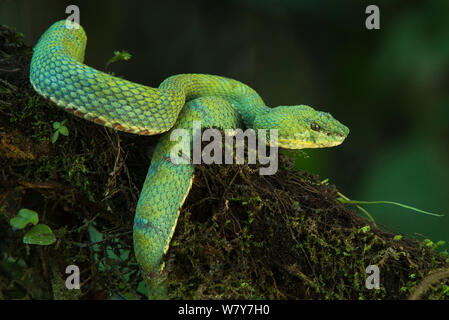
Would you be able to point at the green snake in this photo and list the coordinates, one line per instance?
(57, 72)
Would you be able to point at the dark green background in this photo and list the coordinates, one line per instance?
(389, 86)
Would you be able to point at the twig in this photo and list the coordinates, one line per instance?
(427, 282)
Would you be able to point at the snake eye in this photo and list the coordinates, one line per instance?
(315, 127)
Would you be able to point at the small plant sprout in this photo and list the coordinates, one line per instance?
(39, 233)
(344, 199)
(118, 55)
(365, 229)
(60, 128)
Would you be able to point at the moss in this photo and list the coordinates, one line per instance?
(240, 235)
(284, 236)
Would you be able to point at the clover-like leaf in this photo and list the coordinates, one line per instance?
(63, 130)
(23, 218)
(40, 234)
(55, 136)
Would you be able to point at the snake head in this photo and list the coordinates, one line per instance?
(302, 127)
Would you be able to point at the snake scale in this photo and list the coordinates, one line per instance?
(58, 73)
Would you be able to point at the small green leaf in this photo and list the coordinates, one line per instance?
(18, 222)
(95, 236)
(365, 229)
(30, 215)
(23, 218)
(142, 288)
(55, 137)
(63, 130)
(40, 234)
(397, 237)
(56, 125)
(118, 55)
(439, 244)
(428, 242)
(445, 291)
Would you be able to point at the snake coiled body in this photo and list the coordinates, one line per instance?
(57, 72)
